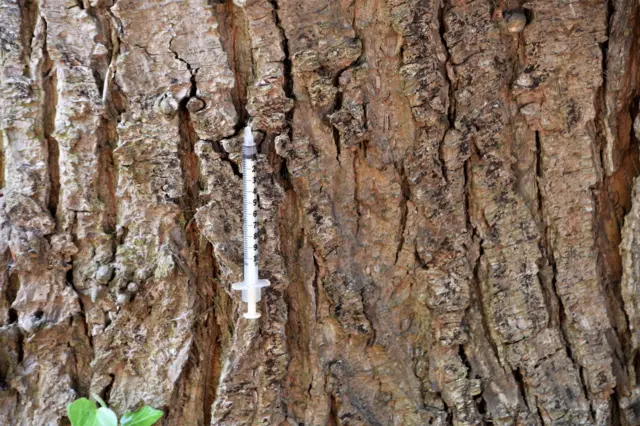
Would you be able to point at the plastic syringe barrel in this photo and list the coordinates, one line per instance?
(250, 213)
(251, 293)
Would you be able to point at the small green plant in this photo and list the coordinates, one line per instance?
(83, 412)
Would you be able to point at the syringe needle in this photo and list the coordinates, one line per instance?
(251, 293)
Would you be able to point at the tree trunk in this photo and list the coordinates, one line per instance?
(450, 215)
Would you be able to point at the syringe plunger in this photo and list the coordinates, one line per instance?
(251, 293)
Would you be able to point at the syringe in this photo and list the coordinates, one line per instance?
(251, 285)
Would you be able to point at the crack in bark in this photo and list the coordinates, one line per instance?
(188, 162)
(406, 196)
(238, 36)
(334, 130)
(224, 156)
(110, 27)
(451, 110)
(287, 87)
(355, 193)
(29, 15)
(286, 63)
(551, 294)
(481, 307)
(49, 105)
(316, 281)
(518, 377)
(553, 302)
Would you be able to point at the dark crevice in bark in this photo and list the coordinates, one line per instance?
(69, 281)
(221, 318)
(550, 289)
(368, 310)
(224, 156)
(103, 26)
(1, 171)
(475, 238)
(404, 210)
(285, 176)
(617, 417)
(333, 419)
(20, 347)
(211, 307)
(442, 29)
(337, 106)
(334, 130)
(12, 316)
(301, 302)
(50, 101)
(29, 15)
(481, 406)
(355, 192)
(465, 360)
(477, 299)
(546, 263)
(604, 46)
(188, 158)
(583, 382)
(237, 43)
(106, 393)
(612, 199)
(74, 373)
(197, 263)
(613, 203)
(562, 319)
(518, 378)
(107, 178)
(286, 63)
(316, 283)
(206, 350)
(113, 97)
(563, 328)
(287, 87)
(107, 138)
(11, 291)
(193, 90)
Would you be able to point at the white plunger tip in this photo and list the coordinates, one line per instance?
(248, 136)
(251, 315)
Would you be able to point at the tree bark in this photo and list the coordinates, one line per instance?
(448, 196)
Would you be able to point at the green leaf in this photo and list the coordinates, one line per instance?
(146, 416)
(106, 417)
(82, 412)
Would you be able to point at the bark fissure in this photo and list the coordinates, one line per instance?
(224, 156)
(355, 193)
(287, 64)
(29, 15)
(233, 33)
(49, 86)
(404, 209)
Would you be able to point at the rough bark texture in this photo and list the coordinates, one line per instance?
(448, 198)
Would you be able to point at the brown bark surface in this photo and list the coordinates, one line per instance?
(449, 205)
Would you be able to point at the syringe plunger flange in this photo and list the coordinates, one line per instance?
(250, 287)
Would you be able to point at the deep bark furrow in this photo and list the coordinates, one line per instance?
(571, 232)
